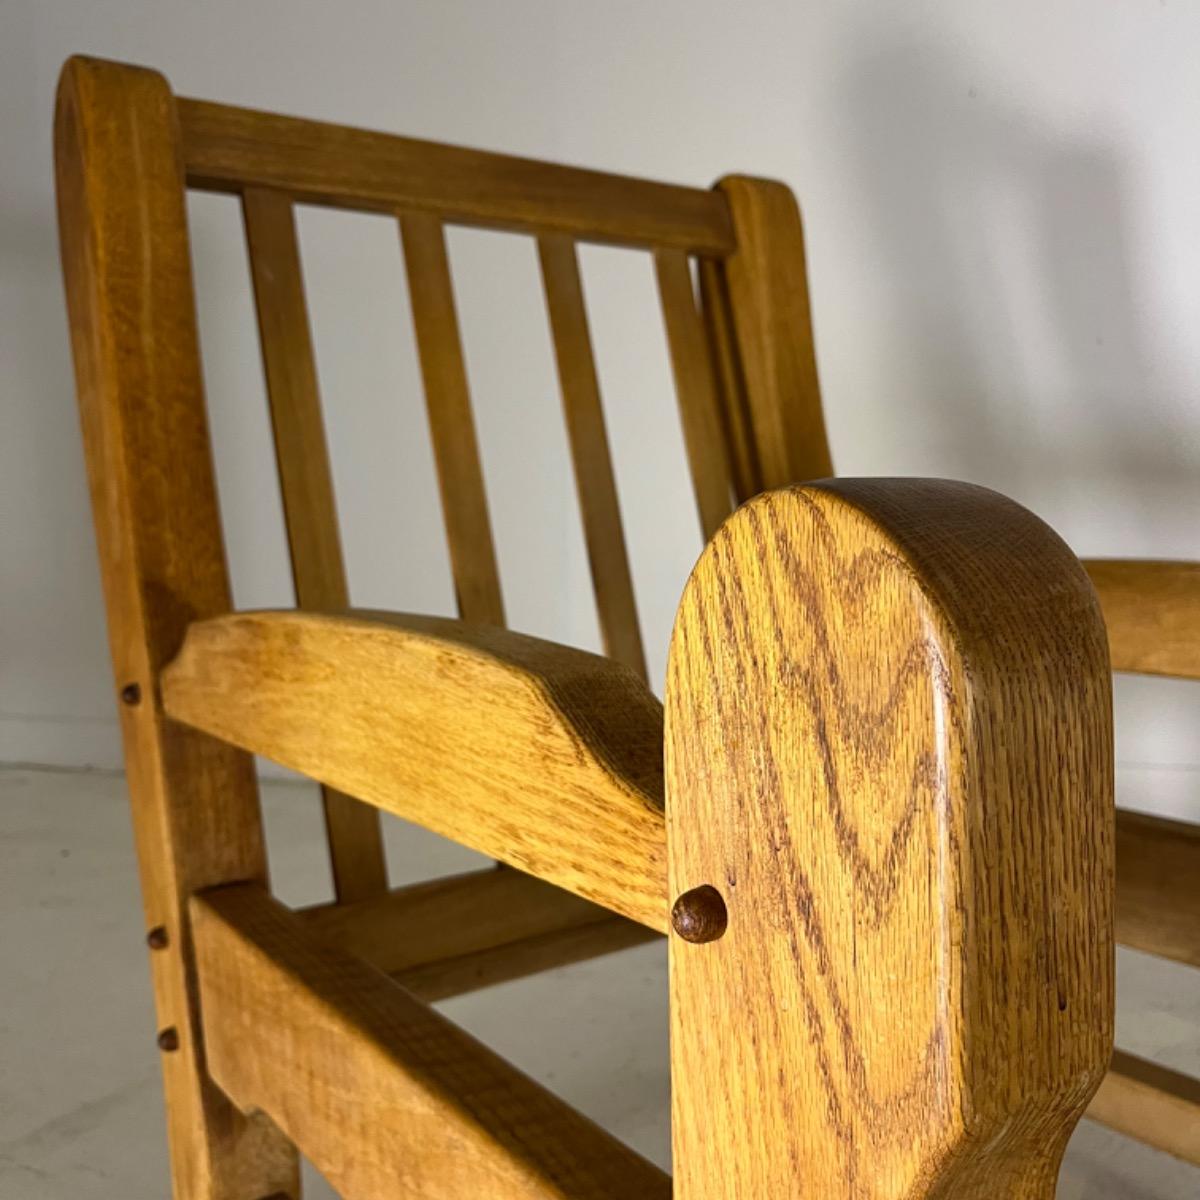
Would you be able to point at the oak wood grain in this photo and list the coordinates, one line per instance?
(306, 482)
(227, 148)
(545, 757)
(889, 748)
(194, 801)
(384, 1095)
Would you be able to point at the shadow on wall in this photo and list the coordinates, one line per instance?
(1006, 244)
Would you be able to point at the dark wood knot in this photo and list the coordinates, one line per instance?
(168, 1040)
(700, 915)
(157, 938)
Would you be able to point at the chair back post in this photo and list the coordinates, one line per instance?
(890, 848)
(759, 319)
(195, 802)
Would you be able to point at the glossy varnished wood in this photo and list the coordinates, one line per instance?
(547, 758)
(384, 1095)
(228, 149)
(194, 801)
(1152, 610)
(306, 482)
(451, 425)
(888, 745)
(590, 456)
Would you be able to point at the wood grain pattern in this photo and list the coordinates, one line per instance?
(1158, 886)
(227, 148)
(889, 747)
(766, 276)
(306, 482)
(1152, 611)
(384, 1095)
(468, 931)
(455, 446)
(695, 388)
(590, 455)
(547, 758)
(1152, 1103)
(194, 801)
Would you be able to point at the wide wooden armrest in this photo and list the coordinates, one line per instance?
(545, 757)
(1152, 612)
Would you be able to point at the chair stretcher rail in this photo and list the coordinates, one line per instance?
(385, 1096)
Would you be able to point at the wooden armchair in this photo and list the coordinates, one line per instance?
(882, 842)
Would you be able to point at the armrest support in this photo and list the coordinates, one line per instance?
(545, 757)
(890, 823)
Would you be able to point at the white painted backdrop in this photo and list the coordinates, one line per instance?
(1003, 212)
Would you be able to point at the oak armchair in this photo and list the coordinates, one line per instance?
(875, 817)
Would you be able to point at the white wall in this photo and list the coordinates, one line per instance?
(1002, 203)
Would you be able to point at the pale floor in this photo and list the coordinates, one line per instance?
(80, 1112)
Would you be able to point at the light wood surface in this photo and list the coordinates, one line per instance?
(889, 749)
(547, 758)
(590, 456)
(1152, 1103)
(227, 149)
(384, 1095)
(766, 277)
(469, 931)
(306, 482)
(696, 390)
(1152, 610)
(451, 425)
(194, 800)
(1158, 886)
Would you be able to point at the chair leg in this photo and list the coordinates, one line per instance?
(890, 836)
(195, 803)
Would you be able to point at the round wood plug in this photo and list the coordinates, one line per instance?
(700, 915)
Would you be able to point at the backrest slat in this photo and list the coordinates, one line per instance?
(731, 386)
(590, 453)
(227, 149)
(306, 481)
(452, 428)
(305, 477)
(696, 389)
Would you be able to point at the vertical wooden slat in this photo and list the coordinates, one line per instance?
(455, 446)
(196, 821)
(607, 555)
(768, 289)
(310, 511)
(731, 385)
(696, 389)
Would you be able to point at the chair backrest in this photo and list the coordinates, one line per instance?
(741, 349)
